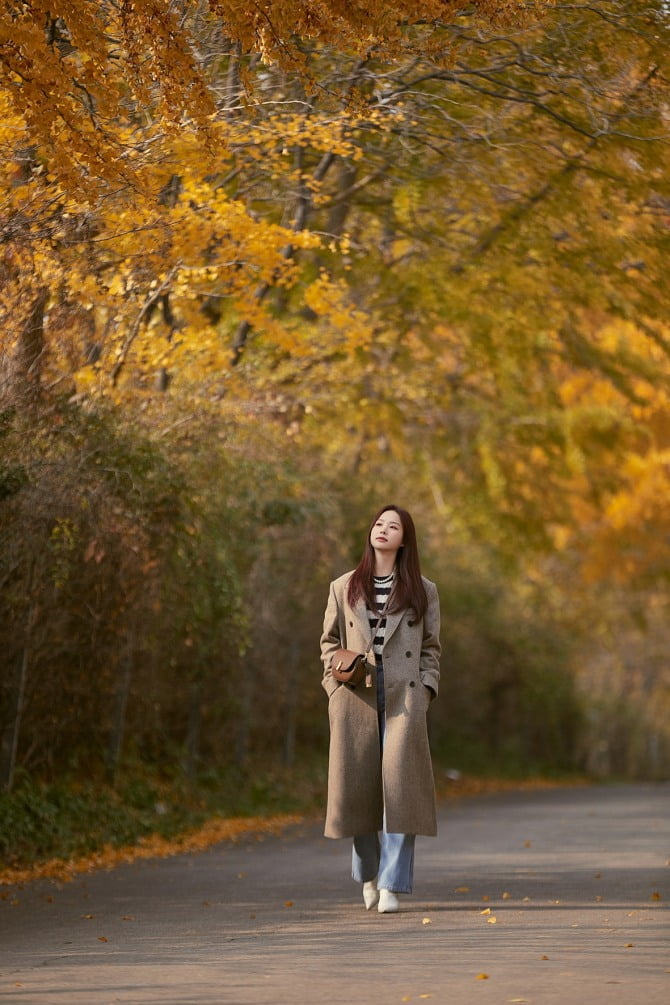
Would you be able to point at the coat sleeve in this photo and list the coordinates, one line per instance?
(429, 665)
(331, 640)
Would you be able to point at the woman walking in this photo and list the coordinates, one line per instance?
(380, 776)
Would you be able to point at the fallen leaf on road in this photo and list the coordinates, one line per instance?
(462, 889)
(514, 1000)
(103, 938)
(425, 996)
(527, 844)
(426, 921)
(656, 896)
(629, 945)
(492, 920)
(128, 917)
(482, 977)
(88, 916)
(506, 895)
(487, 910)
(544, 957)
(288, 903)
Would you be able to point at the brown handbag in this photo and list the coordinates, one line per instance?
(350, 668)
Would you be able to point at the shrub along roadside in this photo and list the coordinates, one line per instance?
(57, 831)
(39, 822)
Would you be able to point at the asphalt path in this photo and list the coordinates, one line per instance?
(551, 897)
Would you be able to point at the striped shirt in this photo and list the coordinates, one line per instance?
(383, 587)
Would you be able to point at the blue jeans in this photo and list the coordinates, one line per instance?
(389, 857)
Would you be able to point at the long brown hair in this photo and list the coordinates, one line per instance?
(408, 589)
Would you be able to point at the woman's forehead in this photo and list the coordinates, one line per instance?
(390, 514)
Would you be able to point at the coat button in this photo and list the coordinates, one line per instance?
(351, 624)
(410, 624)
(408, 654)
(411, 683)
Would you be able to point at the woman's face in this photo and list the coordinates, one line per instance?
(386, 534)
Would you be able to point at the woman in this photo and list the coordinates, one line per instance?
(380, 776)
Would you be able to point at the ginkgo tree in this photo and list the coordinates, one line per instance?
(96, 98)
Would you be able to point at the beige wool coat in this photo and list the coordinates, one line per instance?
(361, 783)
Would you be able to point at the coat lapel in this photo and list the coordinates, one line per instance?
(392, 622)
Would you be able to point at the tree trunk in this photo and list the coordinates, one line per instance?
(119, 724)
(291, 703)
(24, 369)
(9, 741)
(192, 752)
(10, 735)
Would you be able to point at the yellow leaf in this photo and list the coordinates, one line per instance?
(491, 921)
(487, 910)
(462, 889)
(506, 895)
(482, 977)
(426, 921)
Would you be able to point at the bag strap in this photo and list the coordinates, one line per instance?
(377, 623)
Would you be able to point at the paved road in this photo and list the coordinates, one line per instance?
(576, 882)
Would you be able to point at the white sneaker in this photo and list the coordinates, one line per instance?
(388, 902)
(370, 894)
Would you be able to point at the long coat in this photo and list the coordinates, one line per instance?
(363, 783)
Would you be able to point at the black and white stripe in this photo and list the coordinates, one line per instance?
(383, 587)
